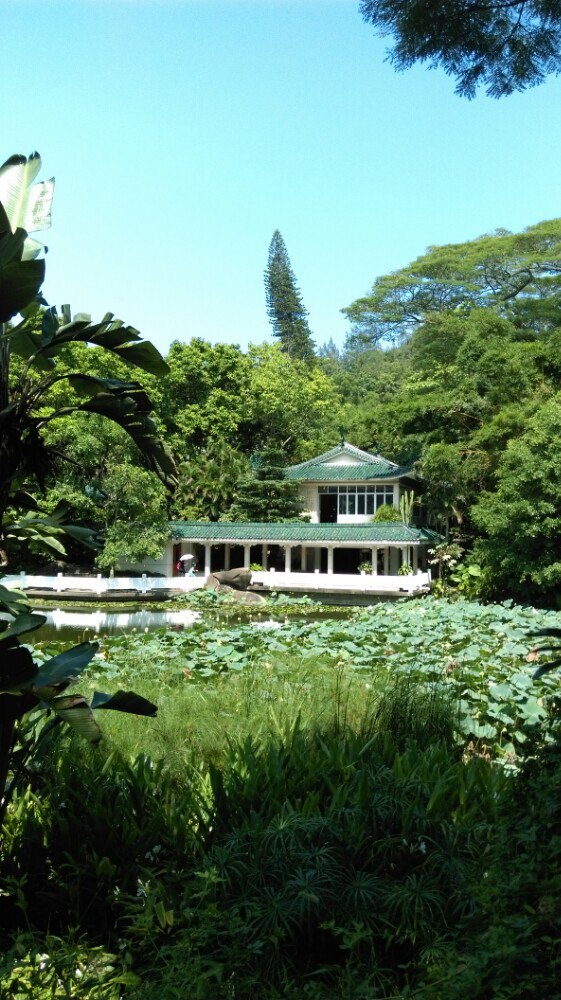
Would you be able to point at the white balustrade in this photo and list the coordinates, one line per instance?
(271, 580)
(101, 585)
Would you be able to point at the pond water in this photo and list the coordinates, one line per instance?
(76, 624)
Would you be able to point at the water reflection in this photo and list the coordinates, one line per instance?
(60, 622)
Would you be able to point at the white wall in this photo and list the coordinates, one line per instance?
(344, 460)
(354, 518)
(310, 499)
(163, 565)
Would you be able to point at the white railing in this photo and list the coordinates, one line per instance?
(268, 580)
(101, 585)
(368, 583)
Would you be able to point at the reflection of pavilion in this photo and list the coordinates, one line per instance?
(342, 490)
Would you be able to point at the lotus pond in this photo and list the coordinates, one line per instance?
(483, 655)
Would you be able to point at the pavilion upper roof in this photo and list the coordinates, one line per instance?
(345, 463)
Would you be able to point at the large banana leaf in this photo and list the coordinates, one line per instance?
(124, 701)
(24, 207)
(110, 333)
(12, 601)
(27, 205)
(20, 279)
(24, 342)
(24, 622)
(47, 530)
(65, 666)
(129, 406)
(76, 712)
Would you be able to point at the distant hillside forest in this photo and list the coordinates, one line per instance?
(453, 362)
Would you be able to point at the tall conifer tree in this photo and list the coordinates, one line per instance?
(285, 308)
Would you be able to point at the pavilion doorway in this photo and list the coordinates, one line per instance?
(328, 508)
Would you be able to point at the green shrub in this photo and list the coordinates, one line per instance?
(386, 512)
(513, 950)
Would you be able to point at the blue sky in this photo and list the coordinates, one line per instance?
(182, 133)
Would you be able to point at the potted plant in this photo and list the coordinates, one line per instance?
(365, 567)
(405, 570)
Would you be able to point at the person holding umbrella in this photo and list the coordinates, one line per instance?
(182, 564)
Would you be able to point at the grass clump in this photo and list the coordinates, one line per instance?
(313, 852)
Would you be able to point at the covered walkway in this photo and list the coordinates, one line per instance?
(304, 549)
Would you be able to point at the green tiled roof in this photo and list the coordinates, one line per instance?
(343, 449)
(310, 534)
(359, 472)
(364, 468)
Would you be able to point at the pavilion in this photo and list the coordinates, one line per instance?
(341, 490)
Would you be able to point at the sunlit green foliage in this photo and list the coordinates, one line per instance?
(522, 516)
(515, 273)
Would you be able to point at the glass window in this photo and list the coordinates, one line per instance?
(351, 500)
(360, 503)
(370, 503)
(342, 503)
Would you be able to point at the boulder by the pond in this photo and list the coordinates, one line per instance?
(246, 597)
(234, 582)
(239, 579)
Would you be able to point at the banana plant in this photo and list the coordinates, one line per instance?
(35, 697)
(25, 206)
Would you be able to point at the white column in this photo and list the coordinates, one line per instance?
(374, 561)
(415, 558)
(226, 556)
(330, 560)
(246, 556)
(317, 559)
(208, 551)
(387, 561)
(404, 555)
(288, 559)
(264, 555)
(304, 559)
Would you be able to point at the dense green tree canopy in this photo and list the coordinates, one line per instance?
(518, 274)
(503, 45)
(521, 515)
(135, 521)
